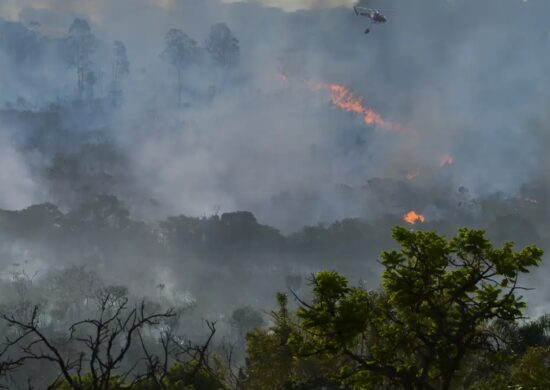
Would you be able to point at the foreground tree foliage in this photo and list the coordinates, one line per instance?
(448, 315)
(272, 363)
(438, 306)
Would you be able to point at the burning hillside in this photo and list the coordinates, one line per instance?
(346, 100)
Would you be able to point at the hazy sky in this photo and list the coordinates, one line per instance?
(12, 8)
(292, 5)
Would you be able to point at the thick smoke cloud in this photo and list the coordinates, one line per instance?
(469, 84)
(20, 187)
(464, 79)
(463, 84)
(293, 5)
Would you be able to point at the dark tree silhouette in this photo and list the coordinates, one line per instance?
(223, 46)
(121, 69)
(103, 342)
(80, 44)
(180, 51)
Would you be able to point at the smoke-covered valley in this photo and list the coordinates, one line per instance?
(206, 154)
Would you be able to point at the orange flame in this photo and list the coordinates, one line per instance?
(446, 159)
(413, 217)
(344, 99)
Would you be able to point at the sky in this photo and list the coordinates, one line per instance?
(293, 5)
(11, 8)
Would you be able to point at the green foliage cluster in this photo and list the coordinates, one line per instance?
(446, 317)
(180, 376)
(271, 362)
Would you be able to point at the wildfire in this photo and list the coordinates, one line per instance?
(282, 77)
(413, 217)
(346, 100)
(445, 160)
(412, 175)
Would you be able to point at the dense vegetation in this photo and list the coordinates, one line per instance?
(449, 315)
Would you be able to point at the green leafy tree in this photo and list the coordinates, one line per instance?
(525, 361)
(532, 334)
(438, 302)
(272, 364)
(269, 359)
(533, 369)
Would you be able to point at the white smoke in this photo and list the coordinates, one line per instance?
(18, 186)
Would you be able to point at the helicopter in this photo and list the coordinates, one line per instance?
(375, 15)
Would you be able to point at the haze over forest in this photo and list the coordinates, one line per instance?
(208, 154)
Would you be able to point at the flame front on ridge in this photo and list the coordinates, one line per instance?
(413, 217)
(344, 99)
